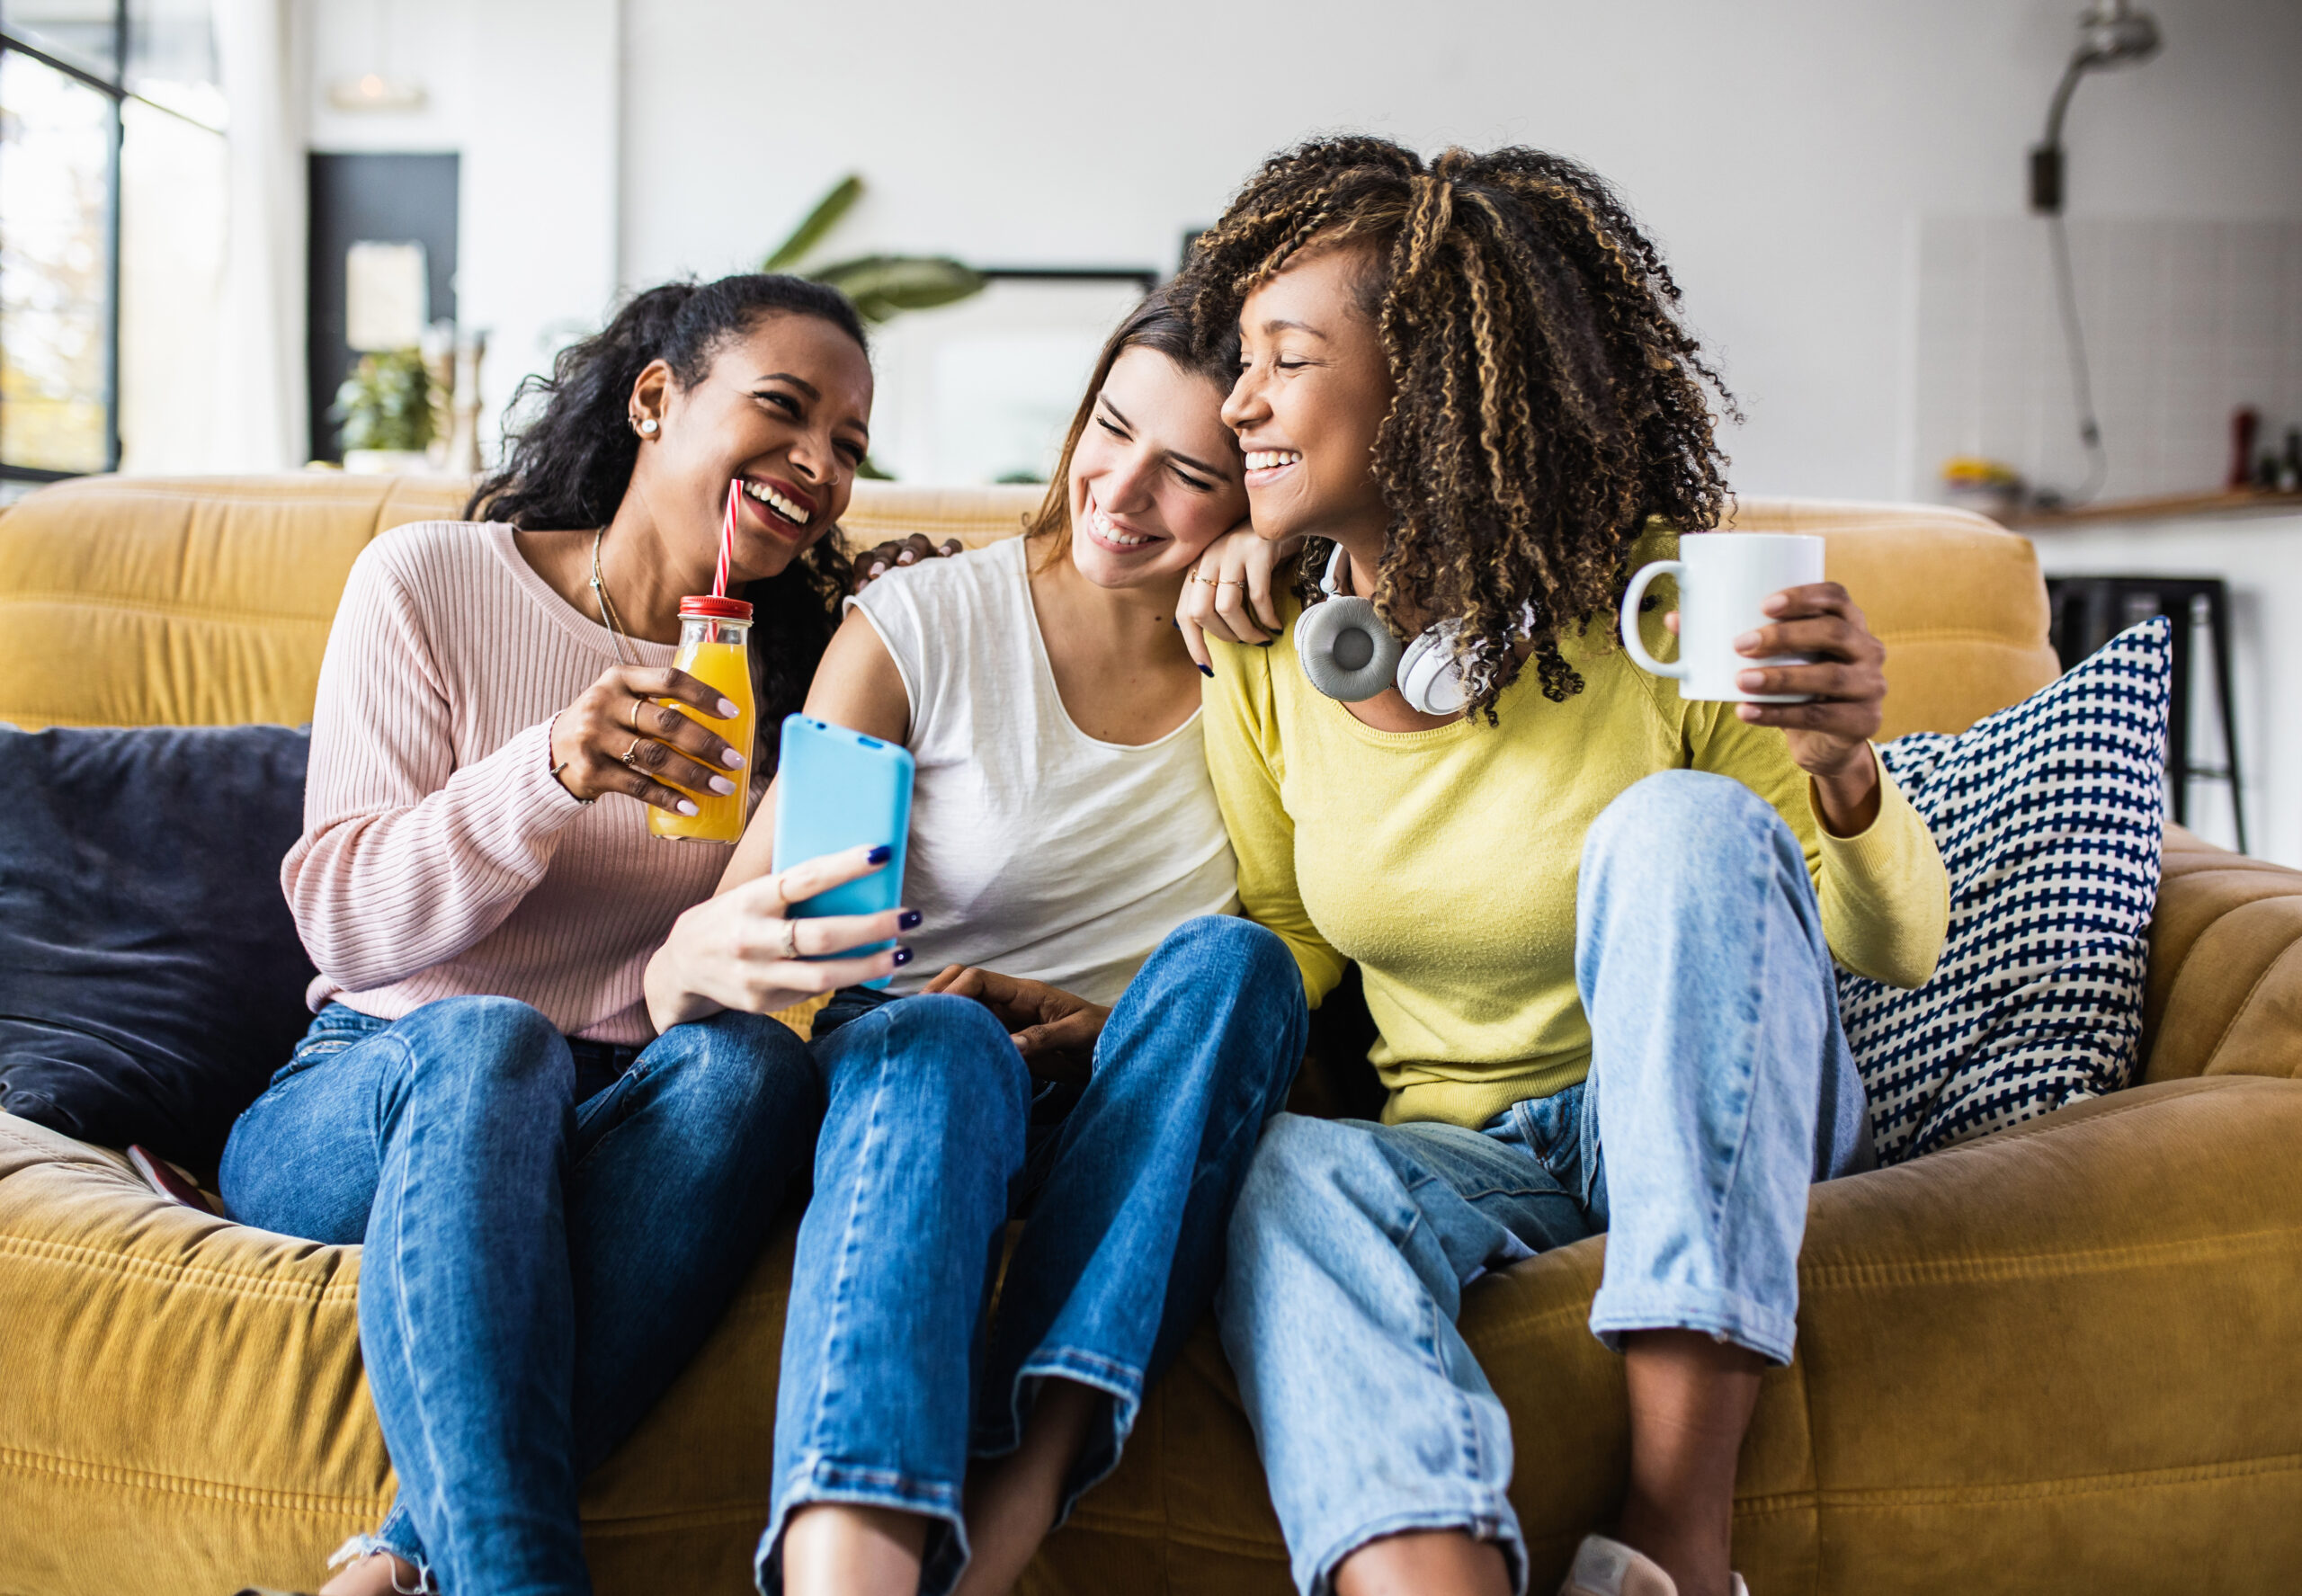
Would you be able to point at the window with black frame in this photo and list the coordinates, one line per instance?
(113, 187)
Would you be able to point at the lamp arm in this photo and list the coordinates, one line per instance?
(2060, 104)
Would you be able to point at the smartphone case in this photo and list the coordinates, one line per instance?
(836, 789)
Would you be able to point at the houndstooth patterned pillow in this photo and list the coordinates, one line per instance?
(2048, 816)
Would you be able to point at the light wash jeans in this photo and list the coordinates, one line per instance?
(550, 1230)
(933, 1137)
(1720, 1089)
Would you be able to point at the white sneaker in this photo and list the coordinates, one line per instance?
(1605, 1568)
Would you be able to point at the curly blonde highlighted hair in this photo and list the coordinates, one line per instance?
(1548, 398)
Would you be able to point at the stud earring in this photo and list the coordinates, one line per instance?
(647, 427)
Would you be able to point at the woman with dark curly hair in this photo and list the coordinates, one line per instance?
(555, 1202)
(1595, 920)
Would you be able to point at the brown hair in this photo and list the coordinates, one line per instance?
(1154, 323)
(1548, 399)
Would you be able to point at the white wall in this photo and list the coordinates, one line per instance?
(1783, 150)
(528, 93)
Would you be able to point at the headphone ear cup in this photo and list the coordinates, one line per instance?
(1430, 677)
(1345, 649)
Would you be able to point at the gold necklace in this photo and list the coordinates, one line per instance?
(607, 617)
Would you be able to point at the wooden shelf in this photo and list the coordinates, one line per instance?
(2172, 507)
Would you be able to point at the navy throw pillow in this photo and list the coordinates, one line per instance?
(2050, 818)
(151, 979)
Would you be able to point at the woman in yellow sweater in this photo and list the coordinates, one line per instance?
(1595, 921)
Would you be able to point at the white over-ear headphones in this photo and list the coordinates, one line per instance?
(1349, 654)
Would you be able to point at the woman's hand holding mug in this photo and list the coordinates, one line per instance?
(745, 951)
(1759, 627)
(620, 737)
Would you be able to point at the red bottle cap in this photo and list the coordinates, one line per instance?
(702, 606)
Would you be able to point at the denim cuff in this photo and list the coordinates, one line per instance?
(1482, 1514)
(368, 1545)
(1121, 1382)
(821, 1480)
(1724, 1315)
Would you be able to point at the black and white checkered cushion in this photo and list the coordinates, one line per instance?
(2048, 816)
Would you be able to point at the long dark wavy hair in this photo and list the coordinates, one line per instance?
(1548, 399)
(567, 466)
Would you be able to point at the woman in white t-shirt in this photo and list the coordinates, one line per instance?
(1071, 889)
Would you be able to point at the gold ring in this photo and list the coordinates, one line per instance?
(1231, 582)
(790, 938)
(632, 751)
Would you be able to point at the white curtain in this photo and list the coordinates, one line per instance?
(261, 421)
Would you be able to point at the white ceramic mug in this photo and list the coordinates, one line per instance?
(1725, 580)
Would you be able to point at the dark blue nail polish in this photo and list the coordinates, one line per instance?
(880, 854)
(1266, 642)
(903, 956)
(1207, 669)
(907, 921)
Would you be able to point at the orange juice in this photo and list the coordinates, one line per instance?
(715, 648)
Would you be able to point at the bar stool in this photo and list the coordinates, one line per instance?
(2088, 612)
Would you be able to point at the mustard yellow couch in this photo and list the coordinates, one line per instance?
(2065, 1358)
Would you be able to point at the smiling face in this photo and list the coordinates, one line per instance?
(786, 409)
(1313, 390)
(1154, 478)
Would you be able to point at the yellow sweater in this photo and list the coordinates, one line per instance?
(1444, 861)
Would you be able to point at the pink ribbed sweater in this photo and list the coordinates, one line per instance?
(440, 858)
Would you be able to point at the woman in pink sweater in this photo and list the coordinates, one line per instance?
(556, 1203)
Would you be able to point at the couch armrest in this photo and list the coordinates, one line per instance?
(2226, 965)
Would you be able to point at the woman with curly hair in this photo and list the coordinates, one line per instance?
(1595, 921)
(555, 1202)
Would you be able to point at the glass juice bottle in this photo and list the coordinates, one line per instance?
(715, 648)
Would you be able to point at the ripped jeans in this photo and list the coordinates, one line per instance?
(550, 1231)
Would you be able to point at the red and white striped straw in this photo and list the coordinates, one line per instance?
(726, 541)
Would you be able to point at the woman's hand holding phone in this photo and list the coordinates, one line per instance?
(744, 950)
(1055, 1030)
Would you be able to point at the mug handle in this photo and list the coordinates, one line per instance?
(1632, 643)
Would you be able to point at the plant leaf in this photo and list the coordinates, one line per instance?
(819, 221)
(885, 286)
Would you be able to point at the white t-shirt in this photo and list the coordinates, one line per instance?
(1036, 849)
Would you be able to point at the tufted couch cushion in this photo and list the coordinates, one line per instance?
(205, 600)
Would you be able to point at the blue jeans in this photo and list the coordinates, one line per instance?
(891, 1378)
(1720, 1088)
(548, 1237)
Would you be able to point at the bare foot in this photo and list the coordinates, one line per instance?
(378, 1574)
(1012, 1500)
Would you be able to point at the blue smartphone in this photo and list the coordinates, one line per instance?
(837, 790)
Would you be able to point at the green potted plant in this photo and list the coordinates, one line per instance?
(385, 411)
